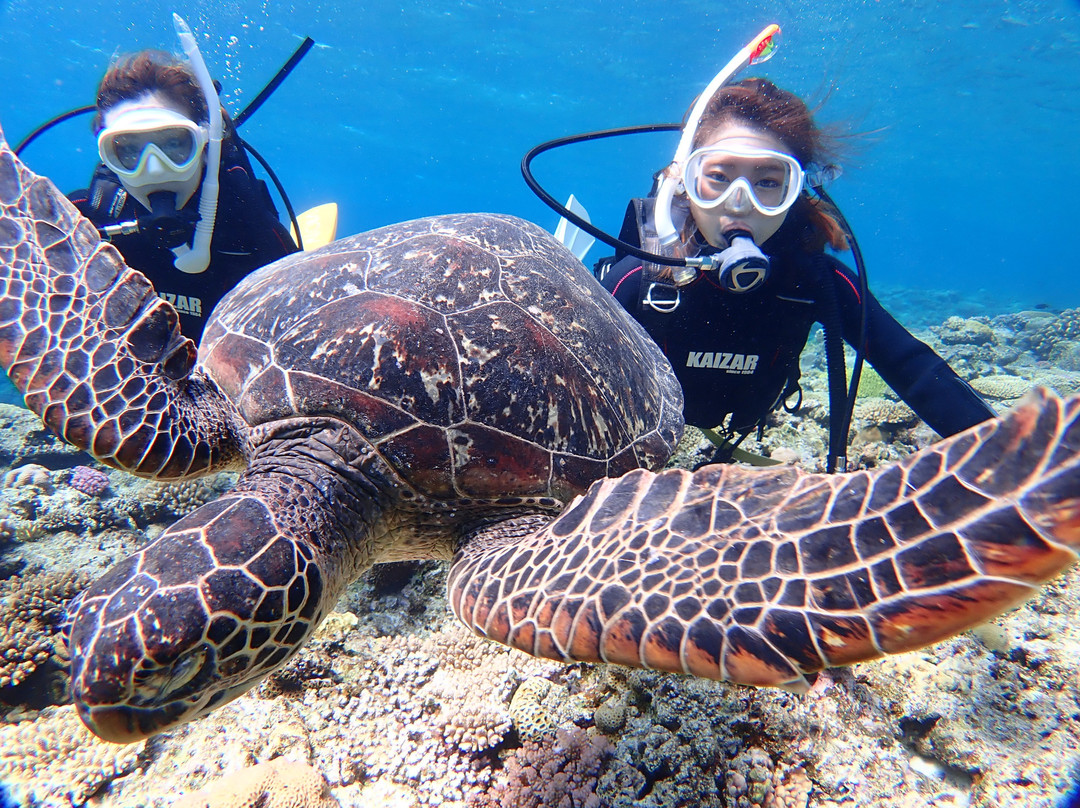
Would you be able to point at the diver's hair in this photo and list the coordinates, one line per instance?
(153, 71)
(760, 103)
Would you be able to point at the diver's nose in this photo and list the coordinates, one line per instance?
(738, 203)
(154, 165)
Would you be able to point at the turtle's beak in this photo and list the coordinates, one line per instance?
(124, 724)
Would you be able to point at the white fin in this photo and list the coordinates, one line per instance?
(573, 237)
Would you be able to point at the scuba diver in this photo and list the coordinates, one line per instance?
(725, 266)
(175, 192)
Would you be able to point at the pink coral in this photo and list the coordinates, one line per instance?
(542, 774)
(88, 480)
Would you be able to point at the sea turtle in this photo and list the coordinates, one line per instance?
(445, 388)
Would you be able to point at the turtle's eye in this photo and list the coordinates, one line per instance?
(186, 669)
(163, 684)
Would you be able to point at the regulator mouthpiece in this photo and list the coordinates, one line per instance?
(166, 226)
(743, 266)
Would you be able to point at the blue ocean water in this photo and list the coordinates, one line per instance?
(961, 172)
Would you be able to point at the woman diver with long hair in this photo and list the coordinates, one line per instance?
(725, 265)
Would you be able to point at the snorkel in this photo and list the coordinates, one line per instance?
(760, 49)
(196, 258)
(742, 265)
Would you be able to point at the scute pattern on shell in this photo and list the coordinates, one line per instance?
(445, 370)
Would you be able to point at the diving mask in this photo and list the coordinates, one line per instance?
(742, 177)
(147, 146)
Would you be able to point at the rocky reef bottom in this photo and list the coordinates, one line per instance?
(394, 704)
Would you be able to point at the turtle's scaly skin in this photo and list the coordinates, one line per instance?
(440, 388)
(760, 576)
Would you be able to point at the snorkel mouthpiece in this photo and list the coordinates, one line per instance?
(743, 266)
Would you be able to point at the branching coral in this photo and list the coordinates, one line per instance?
(564, 774)
(55, 761)
(1065, 327)
(422, 712)
(31, 609)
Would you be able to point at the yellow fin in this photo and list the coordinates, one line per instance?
(318, 225)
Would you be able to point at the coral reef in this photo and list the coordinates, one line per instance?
(882, 412)
(31, 475)
(416, 709)
(966, 331)
(1047, 337)
(753, 781)
(55, 762)
(610, 715)
(31, 613)
(395, 704)
(90, 481)
(278, 783)
(531, 719)
(563, 774)
(1002, 387)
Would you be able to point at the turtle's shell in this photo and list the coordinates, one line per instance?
(519, 377)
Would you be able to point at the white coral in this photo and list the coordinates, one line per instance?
(54, 761)
(1002, 387)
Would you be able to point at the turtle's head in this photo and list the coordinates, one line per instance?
(162, 638)
(122, 691)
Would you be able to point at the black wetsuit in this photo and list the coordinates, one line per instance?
(739, 353)
(247, 235)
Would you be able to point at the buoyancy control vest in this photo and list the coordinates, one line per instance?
(736, 356)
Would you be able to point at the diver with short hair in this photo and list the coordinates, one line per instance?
(163, 138)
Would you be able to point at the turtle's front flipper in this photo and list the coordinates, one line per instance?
(760, 576)
(90, 345)
(224, 596)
